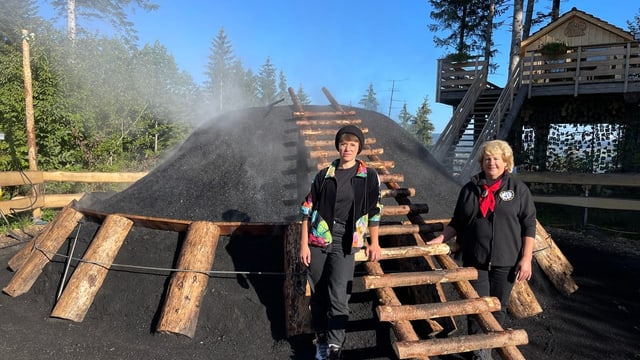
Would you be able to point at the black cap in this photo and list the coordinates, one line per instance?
(353, 130)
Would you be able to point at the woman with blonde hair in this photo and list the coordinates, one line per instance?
(494, 222)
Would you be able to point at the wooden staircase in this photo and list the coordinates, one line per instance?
(318, 129)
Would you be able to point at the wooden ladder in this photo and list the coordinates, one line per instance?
(318, 129)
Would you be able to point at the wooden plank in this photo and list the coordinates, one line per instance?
(93, 177)
(12, 178)
(403, 252)
(395, 210)
(331, 143)
(590, 202)
(329, 122)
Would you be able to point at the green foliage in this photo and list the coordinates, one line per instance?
(302, 96)
(553, 49)
(369, 100)
(405, 118)
(421, 126)
(267, 83)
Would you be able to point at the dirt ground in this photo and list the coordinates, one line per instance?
(241, 318)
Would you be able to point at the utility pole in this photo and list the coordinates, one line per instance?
(393, 88)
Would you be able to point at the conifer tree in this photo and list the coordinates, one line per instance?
(220, 70)
(369, 100)
(405, 117)
(302, 96)
(267, 83)
(421, 126)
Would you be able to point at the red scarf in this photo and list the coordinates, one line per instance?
(487, 198)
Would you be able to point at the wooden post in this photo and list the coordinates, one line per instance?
(460, 344)
(186, 288)
(55, 232)
(553, 262)
(297, 314)
(89, 274)
(44, 249)
(437, 310)
(30, 122)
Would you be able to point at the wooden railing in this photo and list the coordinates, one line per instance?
(42, 200)
(609, 63)
(586, 181)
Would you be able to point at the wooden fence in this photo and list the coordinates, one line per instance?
(42, 200)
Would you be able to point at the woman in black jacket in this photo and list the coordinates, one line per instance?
(342, 206)
(494, 222)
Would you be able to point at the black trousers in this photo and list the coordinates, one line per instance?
(496, 282)
(331, 277)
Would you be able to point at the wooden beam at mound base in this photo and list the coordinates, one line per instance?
(186, 288)
(329, 122)
(56, 231)
(437, 310)
(409, 229)
(397, 210)
(297, 314)
(331, 143)
(460, 344)
(419, 278)
(553, 262)
(79, 293)
(317, 114)
(39, 252)
(394, 193)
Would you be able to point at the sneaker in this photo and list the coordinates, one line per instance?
(322, 348)
(334, 352)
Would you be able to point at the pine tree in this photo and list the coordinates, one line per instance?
(422, 126)
(220, 71)
(267, 83)
(405, 117)
(282, 89)
(368, 100)
(302, 96)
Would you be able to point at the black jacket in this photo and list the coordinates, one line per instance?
(497, 239)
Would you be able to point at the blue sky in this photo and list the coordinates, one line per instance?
(343, 45)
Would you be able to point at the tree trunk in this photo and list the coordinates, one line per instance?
(528, 19)
(516, 36)
(553, 262)
(71, 20)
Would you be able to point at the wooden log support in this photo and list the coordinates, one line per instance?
(397, 210)
(460, 344)
(523, 302)
(50, 238)
(89, 275)
(402, 252)
(403, 329)
(297, 314)
(372, 164)
(319, 154)
(331, 143)
(419, 278)
(327, 132)
(553, 262)
(397, 193)
(409, 229)
(329, 122)
(438, 310)
(44, 248)
(188, 286)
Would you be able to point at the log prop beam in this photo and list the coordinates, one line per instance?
(39, 252)
(89, 275)
(188, 286)
(51, 237)
(553, 262)
(460, 344)
(312, 143)
(328, 122)
(398, 210)
(327, 132)
(409, 229)
(419, 278)
(297, 314)
(438, 310)
(395, 193)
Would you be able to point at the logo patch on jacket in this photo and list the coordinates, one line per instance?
(507, 195)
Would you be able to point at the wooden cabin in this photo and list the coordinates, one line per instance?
(573, 101)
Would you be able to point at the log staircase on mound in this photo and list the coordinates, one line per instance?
(318, 130)
(188, 283)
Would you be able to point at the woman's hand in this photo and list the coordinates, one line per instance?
(305, 255)
(523, 270)
(436, 240)
(373, 252)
